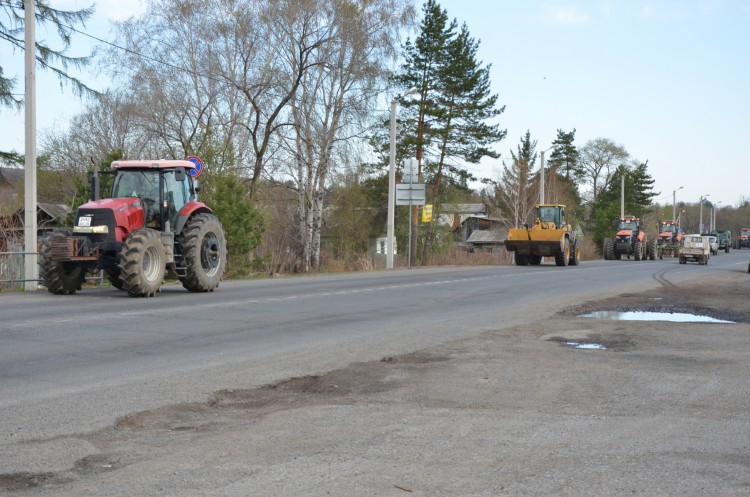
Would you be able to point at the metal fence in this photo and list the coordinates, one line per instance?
(12, 274)
(12, 270)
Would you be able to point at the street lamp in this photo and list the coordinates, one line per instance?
(713, 215)
(392, 181)
(700, 224)
(674, 202)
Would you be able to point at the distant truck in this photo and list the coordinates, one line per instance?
(695, 248)
(725, 239)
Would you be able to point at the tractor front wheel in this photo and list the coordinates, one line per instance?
(204, 248)
(142, 263)
(60, 277)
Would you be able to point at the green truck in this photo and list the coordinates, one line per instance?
(725, 239)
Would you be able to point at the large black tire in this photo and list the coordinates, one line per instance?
(204, 248)
(535, 260)
(60, 277)
(142, 263)
(521, 260)
(575, 254)
(562, 258)
(651, 250)
(113, 276)
(637, 250)
(608, 249)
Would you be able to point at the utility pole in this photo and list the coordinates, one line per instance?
(541, 179)
(622, 195)
(390, 242)
(29, 236)
(700, 223)
(674, 203)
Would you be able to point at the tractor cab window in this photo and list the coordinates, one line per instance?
(550, 214)
(628, 225)
(668, 228)
(140, 183)
(176, 195)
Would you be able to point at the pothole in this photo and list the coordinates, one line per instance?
(675, 317)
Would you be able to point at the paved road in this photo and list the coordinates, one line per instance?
(76, 364)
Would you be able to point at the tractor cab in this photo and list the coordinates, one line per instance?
(163, 191)
(627, 225)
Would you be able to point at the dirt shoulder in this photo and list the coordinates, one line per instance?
(660, 408)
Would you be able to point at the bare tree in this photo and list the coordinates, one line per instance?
(515, 193)
(335, 97)
(599, 158)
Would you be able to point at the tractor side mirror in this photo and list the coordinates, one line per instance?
(179, 174)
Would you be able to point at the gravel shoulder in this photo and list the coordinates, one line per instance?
(655, 408)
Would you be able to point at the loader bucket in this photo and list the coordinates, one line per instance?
(542, 242)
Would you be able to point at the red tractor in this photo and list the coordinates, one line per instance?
(670, 239)
(152, 223)
(743, 239)
(630, 240)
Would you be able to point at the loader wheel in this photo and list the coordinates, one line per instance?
(562, 258)
(204, 248)
(521, 260)
(535, 260)
(608, 249)
(575, 254)
(60, 277)
(142, 263)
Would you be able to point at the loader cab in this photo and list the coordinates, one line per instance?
(551, 214)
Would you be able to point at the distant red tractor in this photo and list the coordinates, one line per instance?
(670, 239)
(152, 223)
(630, 240)
(743, 239)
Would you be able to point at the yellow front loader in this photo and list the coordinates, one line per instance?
(550, 236)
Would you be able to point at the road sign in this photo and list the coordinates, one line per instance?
(410, 194)
(198, 166)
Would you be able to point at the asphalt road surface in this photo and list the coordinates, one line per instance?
(449, 381)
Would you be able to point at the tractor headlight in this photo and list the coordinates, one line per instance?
(99, 230)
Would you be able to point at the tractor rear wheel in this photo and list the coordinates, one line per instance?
(651, 250)
(204, 248)
(608, 249)
(60, 277)
(142, 263)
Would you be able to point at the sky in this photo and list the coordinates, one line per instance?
(669, 80)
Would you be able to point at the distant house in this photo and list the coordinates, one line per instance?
(48, 217)
(484, 233)
(454, 214)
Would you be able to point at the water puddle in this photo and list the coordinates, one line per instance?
(675, 317)
(586, 346)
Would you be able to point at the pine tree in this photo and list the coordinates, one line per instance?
(55, 60)
(450, 116)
